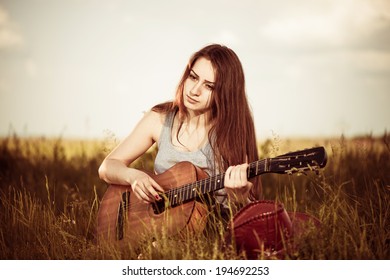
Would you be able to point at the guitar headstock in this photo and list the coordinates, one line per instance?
(303, 160)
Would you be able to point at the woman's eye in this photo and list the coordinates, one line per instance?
(209, 87)
(192, 77)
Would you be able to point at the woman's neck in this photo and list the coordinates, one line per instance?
(196, 120)
(191, 132)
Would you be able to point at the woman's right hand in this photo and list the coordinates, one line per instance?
(115, 167)
(145, 187)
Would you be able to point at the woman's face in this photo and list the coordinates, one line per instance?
(199, 86)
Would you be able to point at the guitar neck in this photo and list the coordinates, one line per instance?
(200, 188)
(308, 159)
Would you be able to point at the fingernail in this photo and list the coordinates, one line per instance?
(157, 197)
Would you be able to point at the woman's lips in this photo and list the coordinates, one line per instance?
(191, 100)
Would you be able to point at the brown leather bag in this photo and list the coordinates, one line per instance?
(264, 228)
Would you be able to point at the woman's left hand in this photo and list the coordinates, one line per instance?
(236, 183)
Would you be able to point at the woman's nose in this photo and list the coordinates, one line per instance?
(195, 90)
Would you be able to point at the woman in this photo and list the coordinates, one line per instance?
(209, 123)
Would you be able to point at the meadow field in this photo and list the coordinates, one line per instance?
(50, 194)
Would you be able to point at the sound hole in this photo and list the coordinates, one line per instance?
(159, 206)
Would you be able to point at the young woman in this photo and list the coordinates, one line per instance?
(209, 124)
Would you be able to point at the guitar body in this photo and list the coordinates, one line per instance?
(124, 220)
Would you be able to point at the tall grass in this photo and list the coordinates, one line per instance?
(50, 195)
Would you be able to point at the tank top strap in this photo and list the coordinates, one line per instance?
(165, 135)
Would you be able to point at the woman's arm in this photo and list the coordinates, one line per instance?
(115, 167)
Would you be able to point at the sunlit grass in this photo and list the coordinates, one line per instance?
(50, 195)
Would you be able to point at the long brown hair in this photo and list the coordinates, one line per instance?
(232, 134)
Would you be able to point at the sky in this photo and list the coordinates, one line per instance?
(90, 68)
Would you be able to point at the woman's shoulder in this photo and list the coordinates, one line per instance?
(163, 111)
(153, 121)
(153, 118)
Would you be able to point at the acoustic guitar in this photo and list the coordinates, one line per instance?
(124, 220)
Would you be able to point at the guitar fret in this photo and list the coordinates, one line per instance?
(186, 193)
(196, 190)
(170, 197)
(179, 197)
(192, 190)
(189, 188)
(176, 196)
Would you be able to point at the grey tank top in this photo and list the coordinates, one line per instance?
(167, 156)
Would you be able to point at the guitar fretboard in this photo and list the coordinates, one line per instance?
(200, 188)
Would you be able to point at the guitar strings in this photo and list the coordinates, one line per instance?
(191, 190)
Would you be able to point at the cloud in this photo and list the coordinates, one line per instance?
(367, 25)
(226, 37)
(4, 86)
(10, 38)
(31, 68)
(302, 31)
(356, 24)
